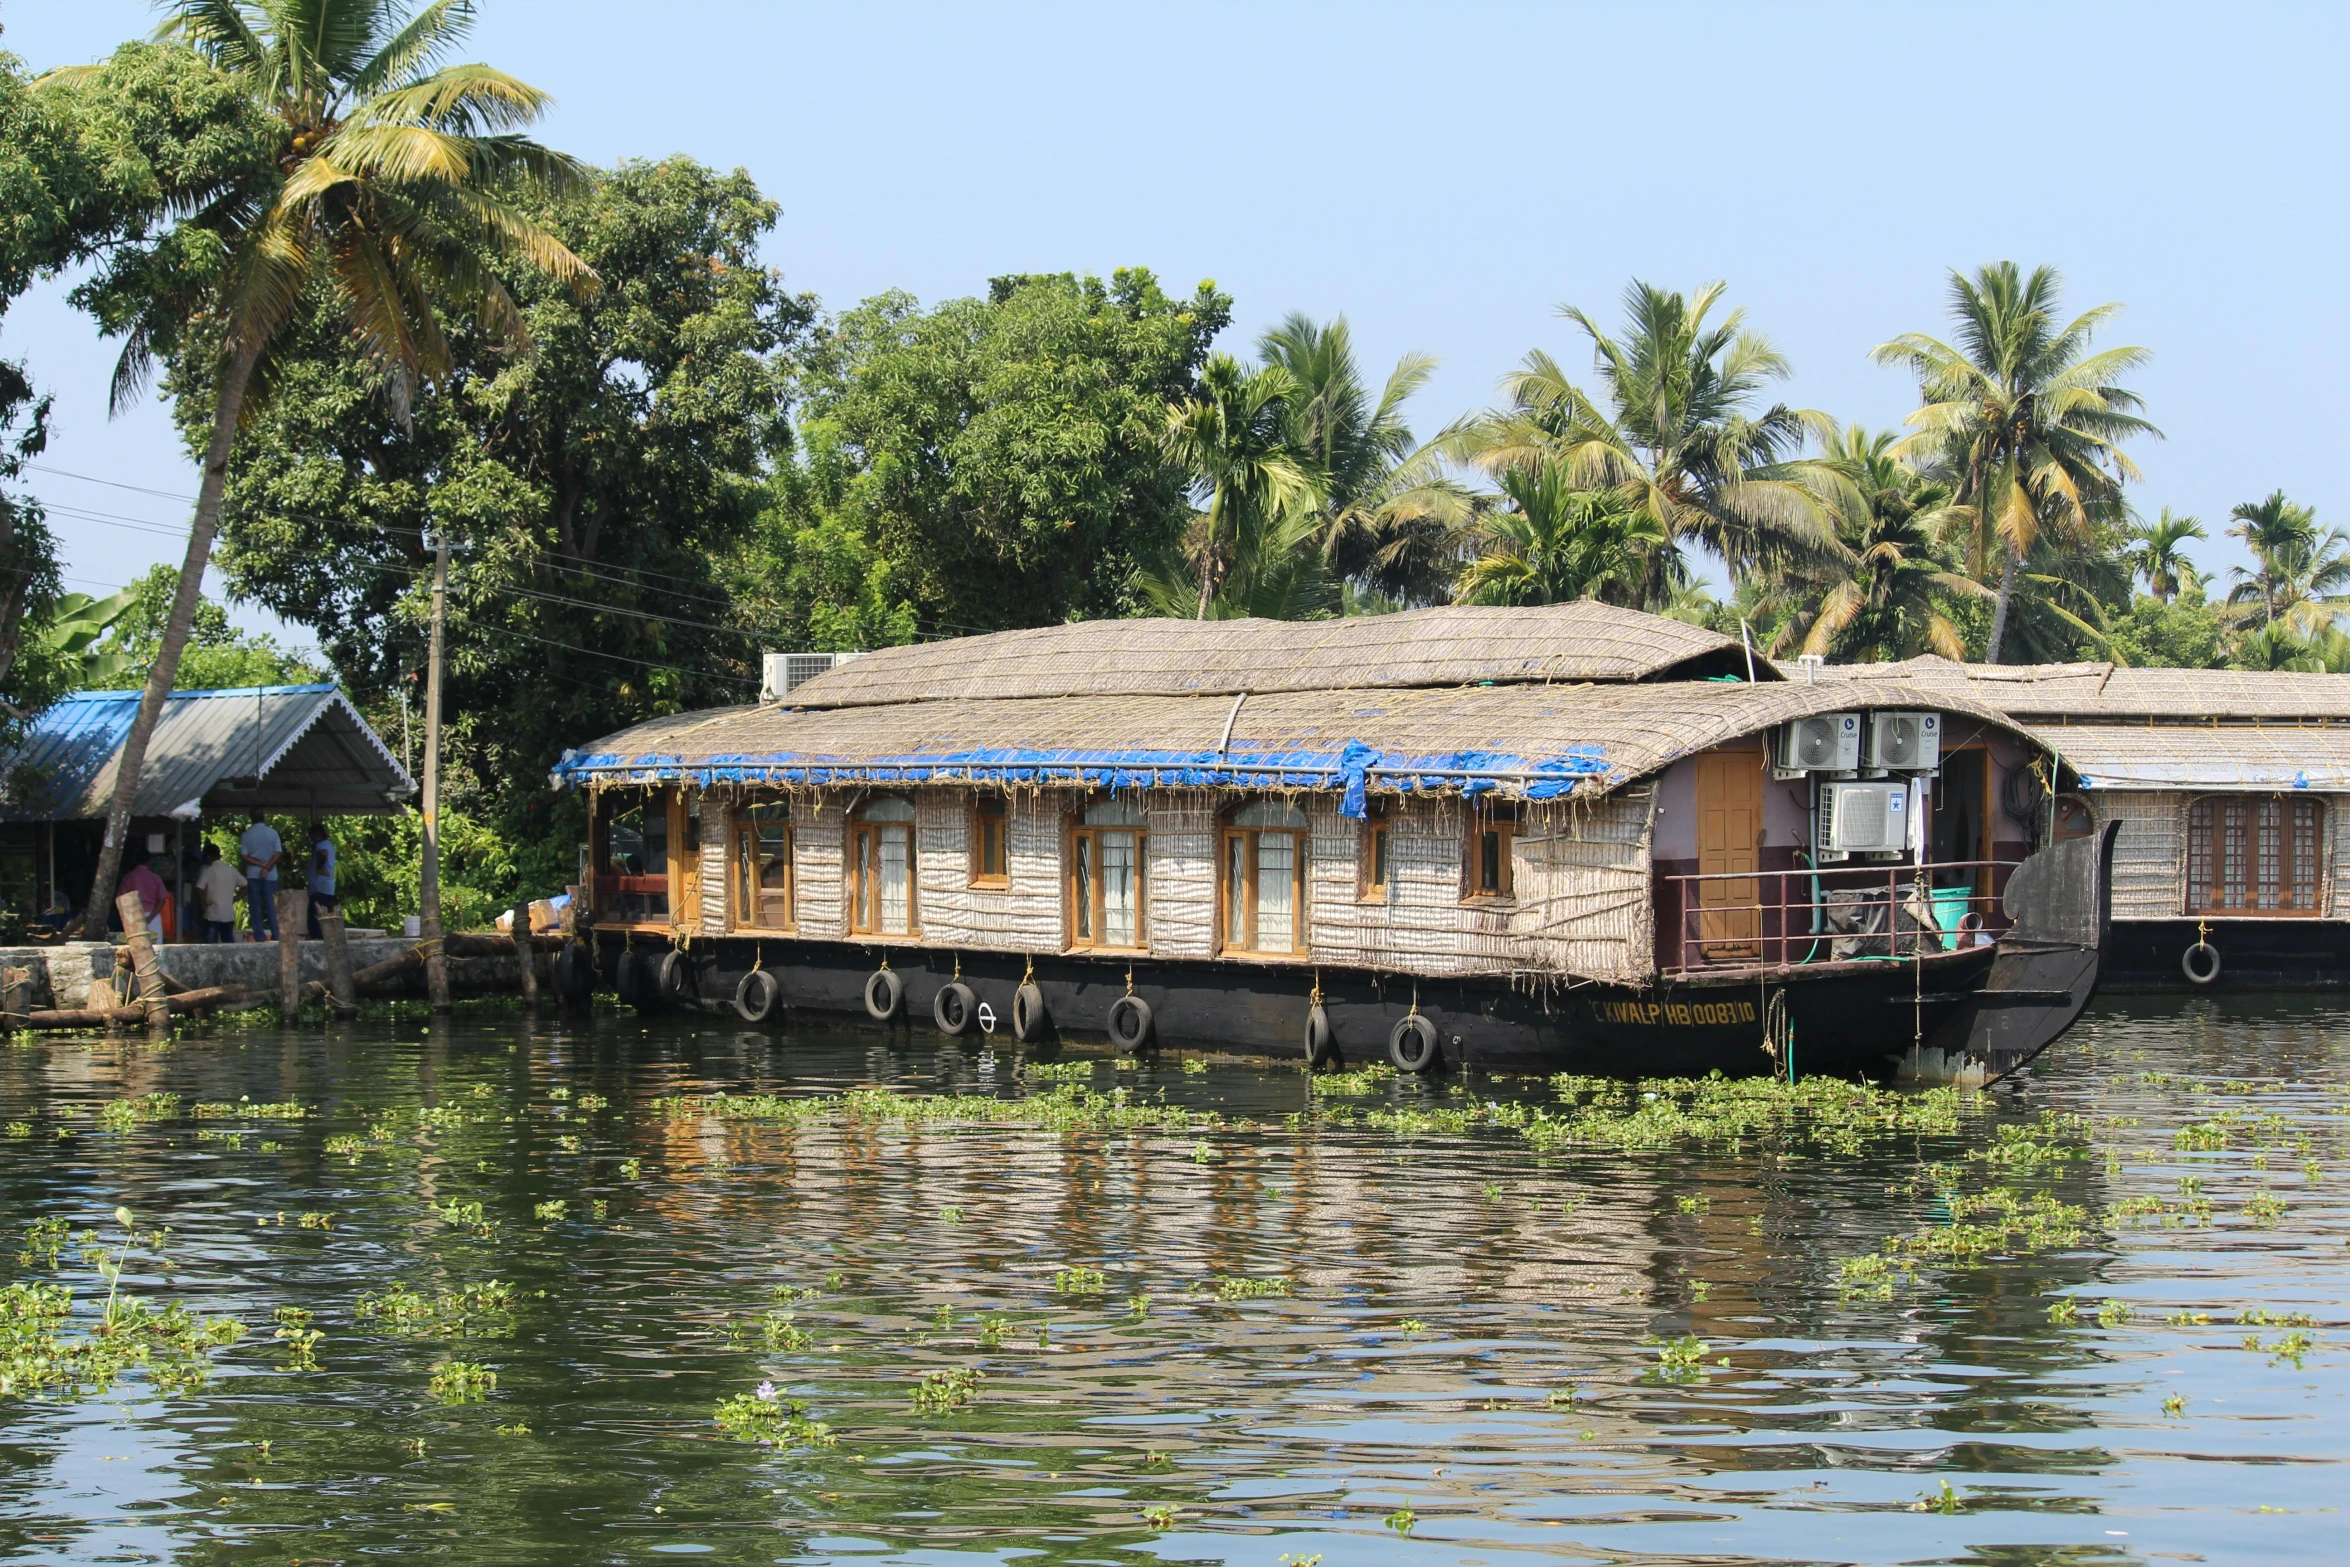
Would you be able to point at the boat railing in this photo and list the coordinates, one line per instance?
(1712, 921)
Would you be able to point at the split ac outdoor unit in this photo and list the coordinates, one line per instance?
(782, 673)
(1824, 743)
(1862, 818)
(1905, 742)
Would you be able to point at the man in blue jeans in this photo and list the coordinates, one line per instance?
(261, 848)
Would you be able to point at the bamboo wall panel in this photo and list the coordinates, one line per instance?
(819, 852)
(2149, 853)
(1022, 917)
(1182, 876)
(712, 913)
(1585, 889)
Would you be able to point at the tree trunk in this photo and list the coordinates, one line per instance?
(2006, 601)
(436, 965)
(133, 759)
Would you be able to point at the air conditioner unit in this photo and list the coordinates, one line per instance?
(1824, 743)
(782, 673)
(1862, 818)
(1905, 742)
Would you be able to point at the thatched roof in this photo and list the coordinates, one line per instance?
(2184, 756)
(1449, 646)
(2103, 692)
(1533, 741)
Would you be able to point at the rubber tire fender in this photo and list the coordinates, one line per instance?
(1130, 1022)
(758, 996)
(1321, 1045)
(885, 994)
(575, 974)
(953, 1009)
(2187, 964)
(630, 981)
(1030, 1021)
(674, 978)
(1412, 1047)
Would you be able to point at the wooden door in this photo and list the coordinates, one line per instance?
(1729, 843)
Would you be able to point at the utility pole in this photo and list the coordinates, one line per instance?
(436, 962)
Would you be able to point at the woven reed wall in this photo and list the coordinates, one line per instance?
(1586, 893)
(2149, 853)
(1580, 874)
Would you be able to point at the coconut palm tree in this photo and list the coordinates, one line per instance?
(395, 192)
(2157, 553)
(1889, 597)
(1232, 439)
(1675, 430)
(1387, 511)
(1553, 543)
(2028, 422)
(2298, 573)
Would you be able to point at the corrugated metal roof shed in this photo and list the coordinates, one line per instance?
(293, 748)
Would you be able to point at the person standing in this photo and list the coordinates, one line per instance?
(216, 891)
(141, 879)
(322, 876)
(261, 849)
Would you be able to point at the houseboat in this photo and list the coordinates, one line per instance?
(2225, 789)
(1561, 838)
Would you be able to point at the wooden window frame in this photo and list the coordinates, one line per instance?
(609, 883)
(859, 828)
(2224, 854)
(1375, 856)
(1079, 837)
(975, 830)
(1228, 942)
(746, 901)
(1492, 825)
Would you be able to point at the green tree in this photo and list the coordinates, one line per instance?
(1388, 517)
(1231, 440)
(218, 655)
(392, 188)
(600, 494)
(987, 463)
(2183, 633)
(2299, 574)
(1888, 596)
(1553, 543)
(1676, 432)
(2157, 552)
(2025, 419)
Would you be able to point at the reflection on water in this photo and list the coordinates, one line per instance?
(1484, 1352)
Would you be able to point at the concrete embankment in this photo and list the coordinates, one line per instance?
(63, 975)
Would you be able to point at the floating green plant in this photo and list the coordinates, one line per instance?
(477, 1311)
(462, 1381)
(631, 1169)
(942, 1392)
(992, 1331)
(551, 1211)
(17, 1129)
(1160, 1517)
(1080, 1281)
(1402, 1520)
(1683, 1356)
(1944, 1500)
(781, 1330)
(122, 1115)
(299, 1337)
(765, 1415)
(1252, 1289)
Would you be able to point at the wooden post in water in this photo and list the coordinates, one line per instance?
(293, 917)
(145, 966)
(436, 963)
(526, 954)
(339, 988)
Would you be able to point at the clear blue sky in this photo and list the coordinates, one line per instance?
(1445, 175)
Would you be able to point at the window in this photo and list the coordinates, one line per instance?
(633, 869)
(1265, 879)
(1375, 865)
(881, 868)
(762, 867)
(1106, 845)
(1493, 828)
(2254, 854)
(989, 863)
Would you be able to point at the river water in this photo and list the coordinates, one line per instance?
(1185, 1309)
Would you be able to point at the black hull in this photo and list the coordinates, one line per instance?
(1844, 1018)
(2255, 954)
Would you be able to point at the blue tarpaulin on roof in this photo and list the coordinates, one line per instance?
(1350, 768)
